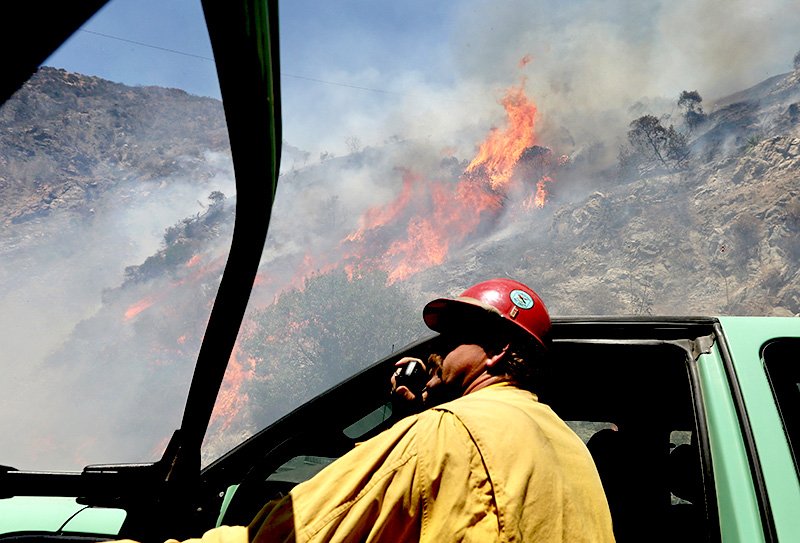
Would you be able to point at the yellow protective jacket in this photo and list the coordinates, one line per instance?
(494, 465)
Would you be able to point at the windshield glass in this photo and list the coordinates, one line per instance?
(621, 158)
(116, 193)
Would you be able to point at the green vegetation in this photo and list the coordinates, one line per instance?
(323, 333)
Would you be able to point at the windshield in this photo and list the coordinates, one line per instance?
(116, 189)
(620, 158)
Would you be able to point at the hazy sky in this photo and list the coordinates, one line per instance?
(420, 69)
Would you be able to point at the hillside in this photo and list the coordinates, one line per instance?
(716, 236)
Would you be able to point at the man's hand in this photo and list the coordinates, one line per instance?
(402, 392)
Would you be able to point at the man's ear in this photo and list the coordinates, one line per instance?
(492, 359)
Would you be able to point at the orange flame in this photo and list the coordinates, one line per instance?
(439, 214)
(541, 191)
(538, 199)
(436, 213)
(193, 261)
(138, 307)
(231, 398)
(377, 217)
(500, 152)
(423, 249)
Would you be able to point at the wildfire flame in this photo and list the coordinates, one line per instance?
(231, 398)
(138, 307)
(193, 261)
(500, 152)
(380, 216)
(440, 214)
(538, 199)
(197, 273)
(423, 248)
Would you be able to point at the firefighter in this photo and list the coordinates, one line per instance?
(491, 463)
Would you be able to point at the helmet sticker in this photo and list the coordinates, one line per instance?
(521, 299)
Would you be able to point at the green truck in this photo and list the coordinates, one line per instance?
(692, 421)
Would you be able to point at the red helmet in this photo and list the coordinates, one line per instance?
(506, 299)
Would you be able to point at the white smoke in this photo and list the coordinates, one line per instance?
(67, 347)
(590, 63)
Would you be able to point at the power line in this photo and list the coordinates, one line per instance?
(201, 57)
(284, 74)
(109, 36)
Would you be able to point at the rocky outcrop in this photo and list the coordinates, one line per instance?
(65, 138)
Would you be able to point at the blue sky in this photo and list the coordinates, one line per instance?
(154, 42)
(172, 47)
(331, 52)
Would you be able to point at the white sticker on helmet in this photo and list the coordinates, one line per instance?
(521, 299)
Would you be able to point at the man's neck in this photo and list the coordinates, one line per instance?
(484, 380)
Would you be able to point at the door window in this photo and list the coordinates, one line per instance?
(782, 363)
